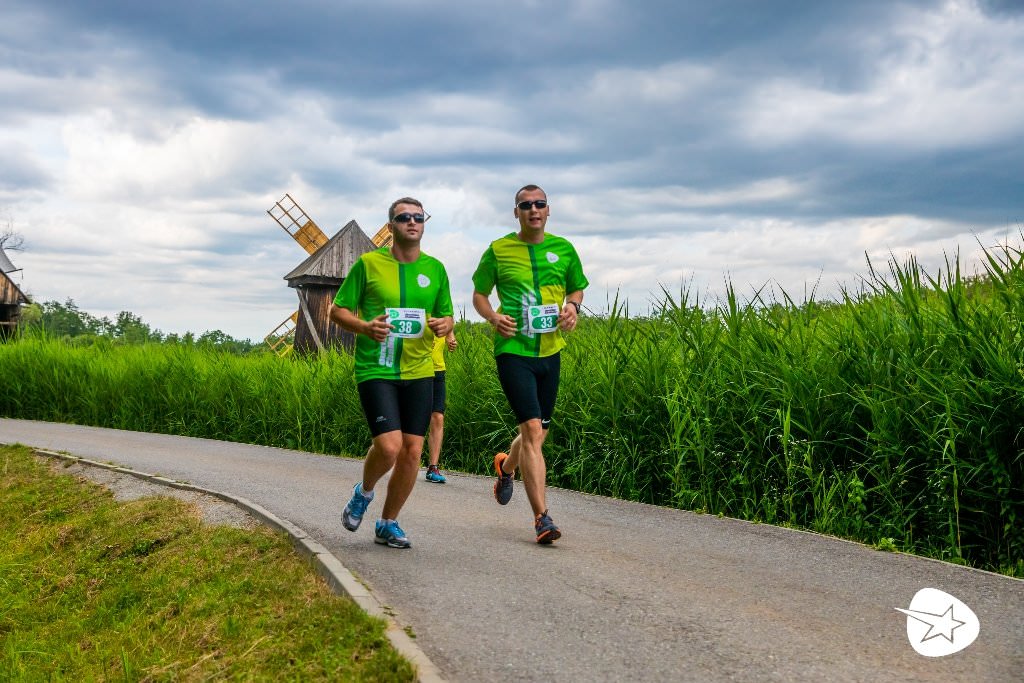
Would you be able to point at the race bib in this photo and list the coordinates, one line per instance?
(408, 322)
(542, 319)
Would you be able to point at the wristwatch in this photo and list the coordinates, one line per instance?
(576, 304)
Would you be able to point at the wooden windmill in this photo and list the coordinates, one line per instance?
(11, 298)
(316, 280)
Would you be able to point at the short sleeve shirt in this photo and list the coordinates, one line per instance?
(528, 275)
(438, 354)
(376, 284)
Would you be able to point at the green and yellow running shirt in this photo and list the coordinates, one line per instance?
(532, 281)
(437, 354)
(410, 294)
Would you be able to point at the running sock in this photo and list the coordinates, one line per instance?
(364, 494)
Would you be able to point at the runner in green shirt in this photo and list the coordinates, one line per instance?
(396, 299)
(540, 285)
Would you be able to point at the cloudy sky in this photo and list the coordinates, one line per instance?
(681, 142)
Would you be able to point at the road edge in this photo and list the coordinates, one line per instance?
(338, 577)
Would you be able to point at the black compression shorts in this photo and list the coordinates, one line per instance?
(391, 404)
(440, 392)
(530, 385)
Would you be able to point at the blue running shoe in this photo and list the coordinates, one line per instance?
(352, 517)
(434, 475)
(390, 534)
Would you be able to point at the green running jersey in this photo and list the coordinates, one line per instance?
(410, 293)
(528, 276)
(437, 355)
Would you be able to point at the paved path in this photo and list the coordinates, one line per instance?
(631, 592)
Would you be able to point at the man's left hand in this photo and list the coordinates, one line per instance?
(567, 318)
(441, 326)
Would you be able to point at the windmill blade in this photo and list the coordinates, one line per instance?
(383, 236)
(294, 221)
(281, 339)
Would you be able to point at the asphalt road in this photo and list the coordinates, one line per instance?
(630, 592)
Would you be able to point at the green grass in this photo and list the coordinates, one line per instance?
(91, 589)
(894, 413)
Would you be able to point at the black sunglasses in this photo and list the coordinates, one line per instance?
(537, 203)
(406, 217)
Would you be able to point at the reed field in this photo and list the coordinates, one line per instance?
(893, 417)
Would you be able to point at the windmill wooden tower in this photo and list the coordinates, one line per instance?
(11, 298)
(316, 280)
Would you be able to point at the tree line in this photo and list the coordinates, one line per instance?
(66, 320)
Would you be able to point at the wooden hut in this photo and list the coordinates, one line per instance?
(11, 298)
(316, 281)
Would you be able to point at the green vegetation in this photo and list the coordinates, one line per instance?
(892, 417)
(91, 589)
(67, 321)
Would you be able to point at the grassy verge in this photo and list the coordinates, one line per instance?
(91, 589)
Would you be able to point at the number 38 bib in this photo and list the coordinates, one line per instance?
(407, 322)
(542, 319)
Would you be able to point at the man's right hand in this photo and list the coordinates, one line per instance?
(505, 325)
(378, 328)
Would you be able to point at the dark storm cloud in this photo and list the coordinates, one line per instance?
(356, 47)
(636, 94)
(382, 47)
(774, 141)
(1008, 7)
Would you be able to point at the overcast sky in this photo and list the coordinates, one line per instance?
(681, 142)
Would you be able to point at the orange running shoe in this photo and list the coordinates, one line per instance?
(546, 529)
(503, 486)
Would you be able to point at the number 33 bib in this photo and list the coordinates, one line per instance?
(542, 319)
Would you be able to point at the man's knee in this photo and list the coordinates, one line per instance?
(389, 444)
(411, 448)
(532, 431)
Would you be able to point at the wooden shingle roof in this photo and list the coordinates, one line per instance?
(330, 263)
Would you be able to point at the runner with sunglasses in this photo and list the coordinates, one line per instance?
(389, 299)
(540, 283)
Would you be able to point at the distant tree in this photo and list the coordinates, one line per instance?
(130, 329)
(213, 337)
(187, 339)
(66, 319)
(225, 342)
(10, 239)
(104, 326)
(31, 315)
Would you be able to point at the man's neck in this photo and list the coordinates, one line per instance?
(405, 253)
(531, 236)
